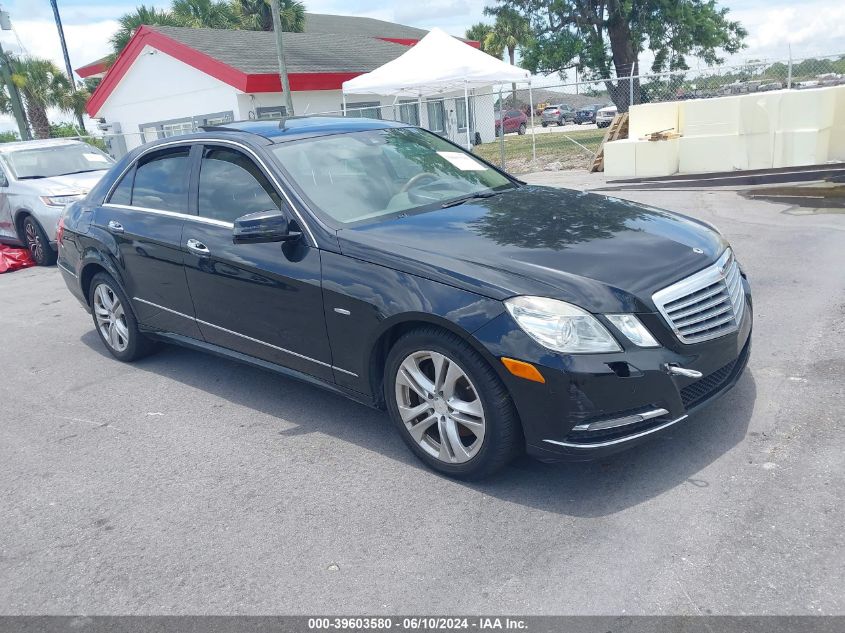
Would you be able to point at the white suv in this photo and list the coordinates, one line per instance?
(604, 116)
(37, 180)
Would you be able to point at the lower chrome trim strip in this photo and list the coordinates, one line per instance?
(65, 268)
(628, 419)
(620, 440)
(244, 336)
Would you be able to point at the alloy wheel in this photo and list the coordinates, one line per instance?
(33, 241)
(111, 318)
(440, 406)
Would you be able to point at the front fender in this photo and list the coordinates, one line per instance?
(364, 302)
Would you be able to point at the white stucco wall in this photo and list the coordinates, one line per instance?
(158, 87)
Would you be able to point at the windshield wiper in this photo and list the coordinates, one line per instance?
(81, 171)
(30, 177)
(472, 196)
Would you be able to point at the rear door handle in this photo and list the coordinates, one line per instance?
(197, 246)
(115, 227)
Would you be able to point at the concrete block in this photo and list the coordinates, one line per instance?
(646, 118)
(710, 117)
(656, 158)
(836, 149)
(620, 159)
(801, 147)
(806, 109)
(703, 154)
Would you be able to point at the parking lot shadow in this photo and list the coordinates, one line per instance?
(585, 489)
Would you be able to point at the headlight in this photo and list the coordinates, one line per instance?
(631, 327)
(61, 201)
(561, 326)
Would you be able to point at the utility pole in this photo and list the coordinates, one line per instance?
(67, 57)
(280, 51)
(14, 95)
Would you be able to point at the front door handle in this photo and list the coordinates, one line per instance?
(197, 247)
(115, 227)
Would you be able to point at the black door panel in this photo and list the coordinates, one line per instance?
(263, 300)
(150, 257)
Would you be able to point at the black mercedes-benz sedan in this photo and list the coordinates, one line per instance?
(487, 316)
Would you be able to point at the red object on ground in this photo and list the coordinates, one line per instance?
(12, 259)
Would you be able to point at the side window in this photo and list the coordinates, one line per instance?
(161, 180)
(231, 185)
(122, 194)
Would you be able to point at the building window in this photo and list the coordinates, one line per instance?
(175, 129)
(436, 116)
(271, 112)
(364, 109)
(409, 112)
(461, 115)
(186, 125)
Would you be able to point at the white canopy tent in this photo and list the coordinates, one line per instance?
(437, 64)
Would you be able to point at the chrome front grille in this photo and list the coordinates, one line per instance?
(705, 305)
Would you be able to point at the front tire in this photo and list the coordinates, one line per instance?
(37, 243)
(114, 320)
(449, 405)
(521, 129)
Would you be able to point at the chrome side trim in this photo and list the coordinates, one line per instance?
(620, 440)
(172, 214)
(155, 305)
(65, 268)
(260, 342)
(256, 157)
(628, 419)
(244, 336)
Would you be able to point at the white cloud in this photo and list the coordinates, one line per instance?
(815, 28)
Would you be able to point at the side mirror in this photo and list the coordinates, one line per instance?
(262, 227)
(3, 181)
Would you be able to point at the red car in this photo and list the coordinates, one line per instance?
(514, 121)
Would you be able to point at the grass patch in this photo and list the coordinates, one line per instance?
(554, 150)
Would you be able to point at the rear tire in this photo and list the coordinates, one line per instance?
(115, 321)
(436, 385)
(37, 242)
(522, 129)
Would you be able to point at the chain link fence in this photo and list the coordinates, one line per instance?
(566, 125)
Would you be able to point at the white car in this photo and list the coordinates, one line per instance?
(604, 116)
(37, 180)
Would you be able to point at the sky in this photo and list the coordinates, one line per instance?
(810, 27)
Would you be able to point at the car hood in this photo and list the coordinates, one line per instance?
(601, 253)
(66, 184)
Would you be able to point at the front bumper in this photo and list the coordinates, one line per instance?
(594, 405)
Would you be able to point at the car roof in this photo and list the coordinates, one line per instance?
(290, 128)
(15, 146)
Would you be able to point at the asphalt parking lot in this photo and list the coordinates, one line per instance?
(186, 484)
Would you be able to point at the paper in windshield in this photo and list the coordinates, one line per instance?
(462, 161)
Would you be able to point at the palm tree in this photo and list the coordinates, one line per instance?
(142, 15)
(257, 16)
(211, 14)
(42, 85)
(510, 31)
(478, 33)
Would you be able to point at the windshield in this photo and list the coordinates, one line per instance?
(58, 160)
(380, 173)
